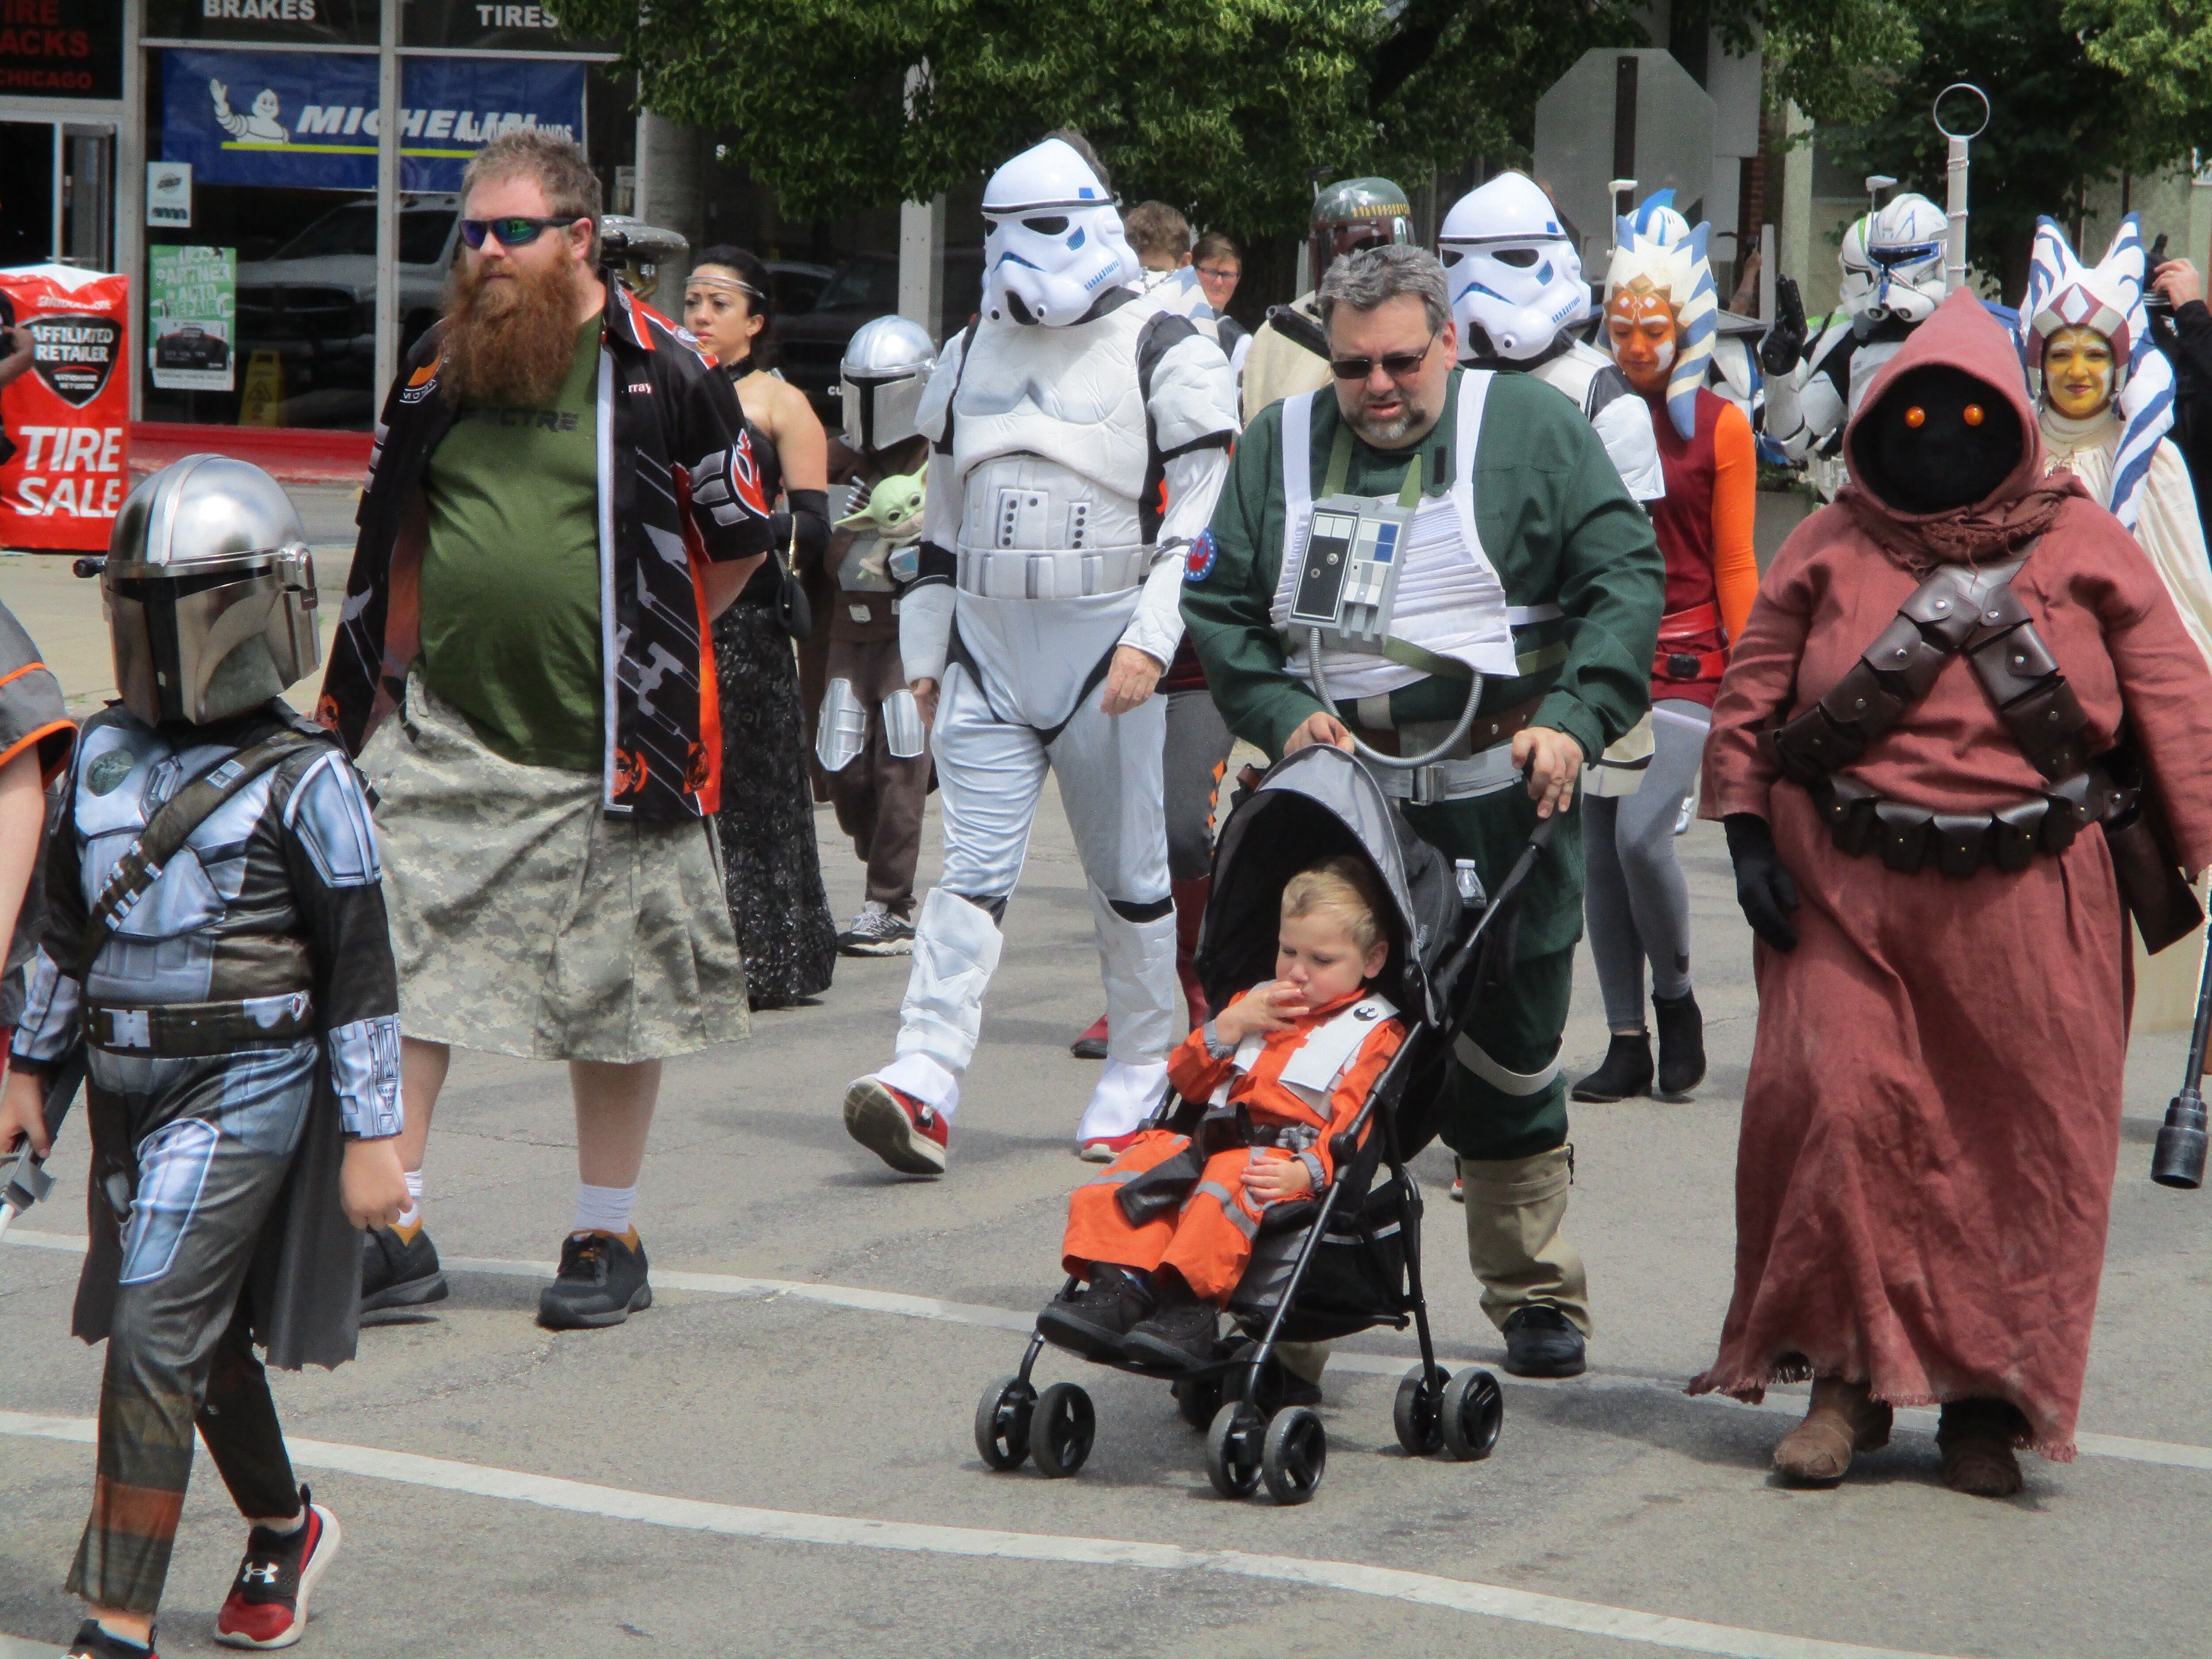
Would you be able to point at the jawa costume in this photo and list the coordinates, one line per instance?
(1932, 1116)
(215, 942)
(1296, 1088)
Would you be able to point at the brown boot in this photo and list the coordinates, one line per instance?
(1844, 1419)
(1976, 1437)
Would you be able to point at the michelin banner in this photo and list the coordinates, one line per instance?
(304, 120)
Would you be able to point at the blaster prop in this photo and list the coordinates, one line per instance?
(23, 1172)
(2178, 1160)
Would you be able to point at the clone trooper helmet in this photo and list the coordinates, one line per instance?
(886, 365)
(1905, 243)
(1856, 283)
(209, 590)
(1052, 237)
(1515, 277)
(1355, 213)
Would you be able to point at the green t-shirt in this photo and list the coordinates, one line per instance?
(510, 580)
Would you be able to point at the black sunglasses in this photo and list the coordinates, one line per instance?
(1398, 365)
(514, 231)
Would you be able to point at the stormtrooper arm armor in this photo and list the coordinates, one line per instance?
(925, 609)
(1190, 397)
(1623, 424)
(1193, 483)
(926, 629)
(1804, 408)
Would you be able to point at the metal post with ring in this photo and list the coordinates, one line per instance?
(1955, 168)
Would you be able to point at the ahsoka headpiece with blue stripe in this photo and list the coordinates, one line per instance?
(1053, 239)
(1658, 244)
(2062, 292)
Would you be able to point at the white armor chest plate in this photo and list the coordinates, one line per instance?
(1065, 395)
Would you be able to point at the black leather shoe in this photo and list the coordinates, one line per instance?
(1681, 1046)
(601, 1282)
(1093, 1319)
(1541, 1342)
(1626, 1070)
(397, 1273)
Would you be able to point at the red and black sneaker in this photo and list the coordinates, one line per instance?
(267, 1607)
(896, 1127)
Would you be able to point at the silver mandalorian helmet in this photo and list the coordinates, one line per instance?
(1356, 213)
(210, 593)
(886, 366)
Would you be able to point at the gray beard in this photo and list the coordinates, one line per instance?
(1388, 435)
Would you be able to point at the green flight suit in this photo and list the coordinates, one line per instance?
(1559, 529)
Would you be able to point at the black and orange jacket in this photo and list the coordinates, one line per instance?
(678, 489)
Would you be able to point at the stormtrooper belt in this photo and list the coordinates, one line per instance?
(192, 1030)
(1481, 763)
(1068, 574)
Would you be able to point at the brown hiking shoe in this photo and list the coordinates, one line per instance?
(1976, 1438)
(1843, 1420)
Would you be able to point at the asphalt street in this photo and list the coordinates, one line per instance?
(775, 1459)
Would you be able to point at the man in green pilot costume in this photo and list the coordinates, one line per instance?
(1524, 568)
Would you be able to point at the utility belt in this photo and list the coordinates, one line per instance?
(1480, 763)
(195, 1030)
(1975, 611)
(1066, 573)
(1677, 658)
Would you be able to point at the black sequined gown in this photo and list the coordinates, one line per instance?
(770, 864)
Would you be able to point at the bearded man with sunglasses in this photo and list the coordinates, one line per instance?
(1528, 581)
(561, 498)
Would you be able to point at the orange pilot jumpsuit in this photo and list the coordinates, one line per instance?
(1307, 1081)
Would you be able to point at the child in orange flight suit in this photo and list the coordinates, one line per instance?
(1300, 1053)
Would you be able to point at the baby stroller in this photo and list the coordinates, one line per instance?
(1349, 1258)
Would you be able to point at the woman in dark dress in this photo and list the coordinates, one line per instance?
(767, 817)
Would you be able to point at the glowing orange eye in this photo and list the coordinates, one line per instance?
(1972, 415)
(1915, 416)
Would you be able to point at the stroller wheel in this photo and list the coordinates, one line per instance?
(1473, 1412)
(1234, 1448)
(1418, 1413)
(1197, 1399)
(1296, 1453)
(1002, 1422)
(1062, 1429)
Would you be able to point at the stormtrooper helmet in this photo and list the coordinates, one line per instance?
(1515, 277)
(1356, 213)
(1905, 244)
(886, 365)
(1856, 283)
(209, 591)
(1052, 239)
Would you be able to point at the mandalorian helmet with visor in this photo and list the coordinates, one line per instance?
(885, 371)
(210, 593)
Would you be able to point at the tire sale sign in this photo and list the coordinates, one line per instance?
(64, 461)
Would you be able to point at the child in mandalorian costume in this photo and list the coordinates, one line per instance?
(869, 738)
(216, 948)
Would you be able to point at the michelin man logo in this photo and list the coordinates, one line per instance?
(261, 127)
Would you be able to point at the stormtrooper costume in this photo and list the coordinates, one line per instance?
(1057, 416)
(1893, 266)
(1518, 294)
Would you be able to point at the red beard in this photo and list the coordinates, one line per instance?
(511, 341)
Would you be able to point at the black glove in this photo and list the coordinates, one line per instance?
(1763, 886)
(809, 513)
(1783, 348)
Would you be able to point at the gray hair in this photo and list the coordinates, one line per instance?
(1366, 276)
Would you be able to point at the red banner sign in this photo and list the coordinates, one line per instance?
(67, 421)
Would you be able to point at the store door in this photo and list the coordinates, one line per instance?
(27, 192)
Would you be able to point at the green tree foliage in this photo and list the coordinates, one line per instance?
(1220, 106)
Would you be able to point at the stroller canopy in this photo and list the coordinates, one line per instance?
(1310, 805)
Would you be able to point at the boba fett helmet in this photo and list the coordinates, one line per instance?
(209, 590)
(882, 376)
(1356, 213)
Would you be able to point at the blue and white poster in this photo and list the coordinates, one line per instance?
(304, 120)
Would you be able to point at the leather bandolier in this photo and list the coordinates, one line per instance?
(1974, 611)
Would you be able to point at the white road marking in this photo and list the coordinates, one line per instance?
(796, 1527)
(2121, 1447)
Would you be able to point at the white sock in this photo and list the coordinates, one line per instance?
(412, 1215)
(602, 1209)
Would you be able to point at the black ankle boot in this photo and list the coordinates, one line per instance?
(1627, 1071)
(1681, 1046)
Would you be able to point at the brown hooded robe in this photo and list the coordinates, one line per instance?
(1931, 1121)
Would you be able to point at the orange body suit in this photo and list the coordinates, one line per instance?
(1211, 1240)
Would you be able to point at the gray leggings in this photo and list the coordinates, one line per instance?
(1636, 902)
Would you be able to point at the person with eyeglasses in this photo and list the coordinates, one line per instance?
(1219, 264)
(562, 495)
(1288, 352)
(1529, 582)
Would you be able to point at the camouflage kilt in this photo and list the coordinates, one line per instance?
(526, 921)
